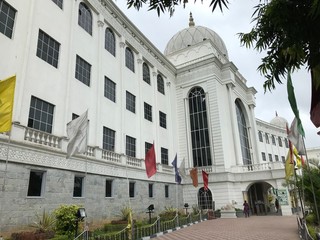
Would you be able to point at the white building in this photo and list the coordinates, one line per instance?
(70, 56)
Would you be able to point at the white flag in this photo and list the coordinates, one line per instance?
(296, 138)
(77, 133)
(182, 170)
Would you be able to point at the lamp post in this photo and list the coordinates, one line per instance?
(186, 206)
(80, 215)
(150, 210)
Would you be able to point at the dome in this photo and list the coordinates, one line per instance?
(193, 35)
(279, 121)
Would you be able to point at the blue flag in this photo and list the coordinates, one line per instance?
(174, 164)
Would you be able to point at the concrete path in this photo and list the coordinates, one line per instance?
(252, 228)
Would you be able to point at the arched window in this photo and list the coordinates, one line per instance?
(146, 73)
(267, 137)
(200, 140)
(129, 59)
(286, 142)
(279, 141)
(110, 41)
(260, 136)
(244, 140)
(85, 18)
(160, 84)
(205, 199)
(273, 139)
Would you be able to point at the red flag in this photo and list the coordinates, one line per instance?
(150, 162)
(205, 180)
(194, 176)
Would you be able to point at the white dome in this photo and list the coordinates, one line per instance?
(279, 121)
(193, 35)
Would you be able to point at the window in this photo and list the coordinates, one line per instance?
(160, 84)
(129, 59)
(163, 119)
(85, 18)
(260, 136)
(146, 73)
(286, 143)
(109, 89)
(276, 158)
(78, 186)
(148, 112)
(36, 183)
(108, 139)
(40, 115)
(273, 139)
(83, 71)
(150, 190)
(244, 139)
(270, 157)
(266, 137)
(48, 49)
(164, 156)
(110, 41)
(166, 191)
(7, 16)
(283, 159)
(200, 141)
(130, 102)
(147, 146)
(109, 188)
(264, 157)
(132, 189)
(280, 141)
(58, 2)
(130, 146)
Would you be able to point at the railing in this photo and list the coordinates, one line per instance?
(185, 220)
(146, 231)
(258, 167)
(303, 230)
(111, 156)
(135, 162)
(170, 224)
(42, 138)
(122, 235)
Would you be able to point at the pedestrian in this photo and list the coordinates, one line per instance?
(277, 205)
(246, 208)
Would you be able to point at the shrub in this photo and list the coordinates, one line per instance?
(124, 213)
(32, 235)
(66, 219)
(44, 222)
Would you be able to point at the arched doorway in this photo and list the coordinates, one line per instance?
(261, 198)
(205, 199)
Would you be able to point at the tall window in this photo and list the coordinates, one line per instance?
(283, 159)
(150, 190)
(109, 89)
(36, 183)
(164, 156)
(264, 156)
(48, 49)
(166, 191)
(109, 188)
(266, 137)
(129, 59)
(280, 141)
(160, 84)
(40, 115)
(276, 158)
(270, 157)
(148, 112)
(108, 139)
(58, 2)
(286, 143)
(146, 73)
(273, 139)
(244, 140)
(132, 189)
(130, 102)
(7, 16)
(130, 146)
(78, 186)
(110, 41)
(260, 136)
(85, 18)
(147, 146)
(199, 128)
(83, 71)
(163, 119)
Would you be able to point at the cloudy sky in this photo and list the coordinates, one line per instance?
(236, 19)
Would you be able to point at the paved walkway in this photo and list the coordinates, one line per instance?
(252, 228)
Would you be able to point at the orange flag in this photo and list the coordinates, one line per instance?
(194, 176)
(150, 162)
(205, 180)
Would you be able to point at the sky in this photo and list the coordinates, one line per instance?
(227, 24)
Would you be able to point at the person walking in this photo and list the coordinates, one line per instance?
(246, 208)
(277, 205)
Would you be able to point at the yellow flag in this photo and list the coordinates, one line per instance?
(6, 103)
(289, 166)
(298, 158)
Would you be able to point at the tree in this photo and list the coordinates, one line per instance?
(286, 29)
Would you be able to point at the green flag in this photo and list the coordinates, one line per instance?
(293, 103)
